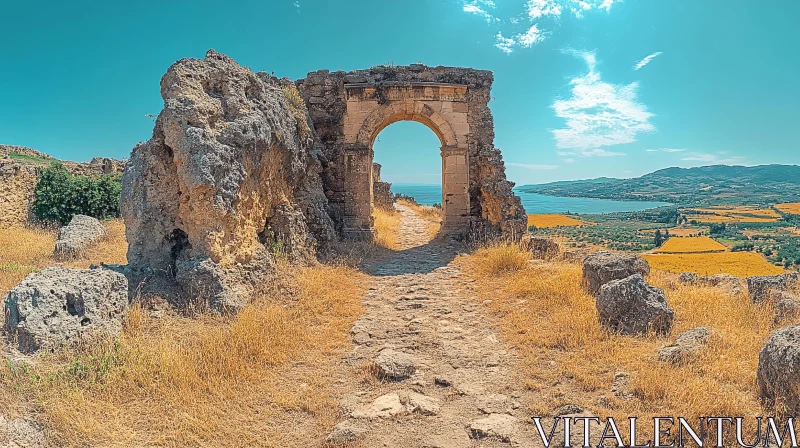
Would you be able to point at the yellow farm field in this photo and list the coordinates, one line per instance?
(690, 245)
(791, 208)
(733, 214)
(542, 221)
(740, 264)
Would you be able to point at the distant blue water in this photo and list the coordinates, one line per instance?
(536, 203)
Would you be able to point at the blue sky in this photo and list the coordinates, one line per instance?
(582, 88)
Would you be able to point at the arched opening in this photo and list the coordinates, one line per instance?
(407, 164)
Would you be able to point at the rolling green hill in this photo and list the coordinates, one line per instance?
(707, 185)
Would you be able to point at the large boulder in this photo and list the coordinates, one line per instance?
(60, 306)
(602, 267)
(778, 373)
(540, 248)
(81, 233)
(230, 178)
(761, 288)
(631, 306)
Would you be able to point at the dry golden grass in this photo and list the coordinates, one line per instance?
(792, 208)
(567, 357)
(740, 264)
(261, 379)
(691, 245)
(387, 228)
(431, 215)
(499, 258)
(25, 250)
(541, 221)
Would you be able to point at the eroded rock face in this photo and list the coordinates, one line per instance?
(540, 248)
(381, 191)
(602, 267)
(631, 306)
(81, 233)
(61, 306)
(779, 369)
(761, 288)
(230, 177)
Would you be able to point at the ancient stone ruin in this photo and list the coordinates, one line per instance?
(238, 171)
(349, 109)
(382, 196)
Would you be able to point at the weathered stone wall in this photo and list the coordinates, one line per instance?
(230, 177)
(381, 191)
(349, 109)
(18, 179)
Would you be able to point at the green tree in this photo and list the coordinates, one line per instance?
(59, 195)
(659, 240)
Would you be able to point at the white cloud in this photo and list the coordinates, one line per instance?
(477, 7)
(646, 60)
(297, 5)
(713, 158)
(597, 152)
(671, 150)
(599, 113)
(505, 44)
(532, 36)
(539, 8)
(569, 160)
(533, 167)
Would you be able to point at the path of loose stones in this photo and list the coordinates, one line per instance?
(446, 379)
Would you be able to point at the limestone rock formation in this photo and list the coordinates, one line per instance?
(496, 426)
(602, 267)
(761, 288)
(687, 344)
(787, 305)
(230, 177)
(726, 281)
(778, 373)
(61, 306)
(381, 191)
(631, 306)
(80, 234)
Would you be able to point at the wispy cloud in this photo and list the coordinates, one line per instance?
(505, 44)
(529, 166)
(718, 158)
(297, 5)
(646, 60)
(597, 152)
(666, 150)
(478, 7)
(599, 113)
(535, 12)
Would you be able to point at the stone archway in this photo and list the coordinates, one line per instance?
(349, 109)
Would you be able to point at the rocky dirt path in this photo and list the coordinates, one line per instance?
(446, 379)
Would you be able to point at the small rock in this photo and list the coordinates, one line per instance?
(761, 288)
(344, 433)
(602, 267)
(494, 404)
(422, 404)
(787, 305)
(687, 344)
(631, 306)
(689, 278)
(384, 406)
(59, 306)
(568, 409)
(778, 364)
(621, 385)
(394, 365)
(497, 426)
(77, 236)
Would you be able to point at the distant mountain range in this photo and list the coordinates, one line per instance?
(707, 185)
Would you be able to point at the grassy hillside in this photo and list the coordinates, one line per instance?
(708, 185)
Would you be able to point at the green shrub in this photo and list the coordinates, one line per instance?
(59, 195)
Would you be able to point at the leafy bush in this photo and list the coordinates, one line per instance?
(59, 195)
